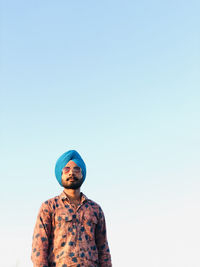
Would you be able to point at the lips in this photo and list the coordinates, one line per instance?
(72, 179)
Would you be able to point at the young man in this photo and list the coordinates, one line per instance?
(70, 229)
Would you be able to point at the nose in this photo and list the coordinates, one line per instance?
(71, 170)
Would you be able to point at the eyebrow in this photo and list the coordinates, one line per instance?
(72, 167)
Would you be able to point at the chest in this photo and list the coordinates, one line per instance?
(71, 218)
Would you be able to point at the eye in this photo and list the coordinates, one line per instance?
(66, 169)
(77, 169)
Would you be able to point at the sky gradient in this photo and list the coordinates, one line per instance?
(119, 82)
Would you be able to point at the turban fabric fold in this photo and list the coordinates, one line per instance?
(64, 159)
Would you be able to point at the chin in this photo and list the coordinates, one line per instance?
(71, 186)
(76, 185)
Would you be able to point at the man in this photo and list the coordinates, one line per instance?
(70, 229)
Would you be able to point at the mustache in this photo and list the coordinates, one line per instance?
(72, 177)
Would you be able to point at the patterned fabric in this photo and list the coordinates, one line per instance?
(69, 236)
(64, 159)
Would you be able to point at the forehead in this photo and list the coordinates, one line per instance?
(71, 163)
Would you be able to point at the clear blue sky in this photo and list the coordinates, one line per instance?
(119, 81)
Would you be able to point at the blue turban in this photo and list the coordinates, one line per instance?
(64, 159)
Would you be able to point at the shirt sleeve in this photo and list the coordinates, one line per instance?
(102, 243)
(41, 237)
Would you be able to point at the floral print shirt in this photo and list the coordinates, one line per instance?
(70, 236)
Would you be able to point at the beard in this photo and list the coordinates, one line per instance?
(72, 184)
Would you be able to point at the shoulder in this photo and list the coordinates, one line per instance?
(50, 204)
(93, 203)
(95, 207)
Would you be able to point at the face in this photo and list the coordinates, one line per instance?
(72, 177)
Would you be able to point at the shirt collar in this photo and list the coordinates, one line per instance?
(63, 196)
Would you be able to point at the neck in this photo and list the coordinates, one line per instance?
(73, 194)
